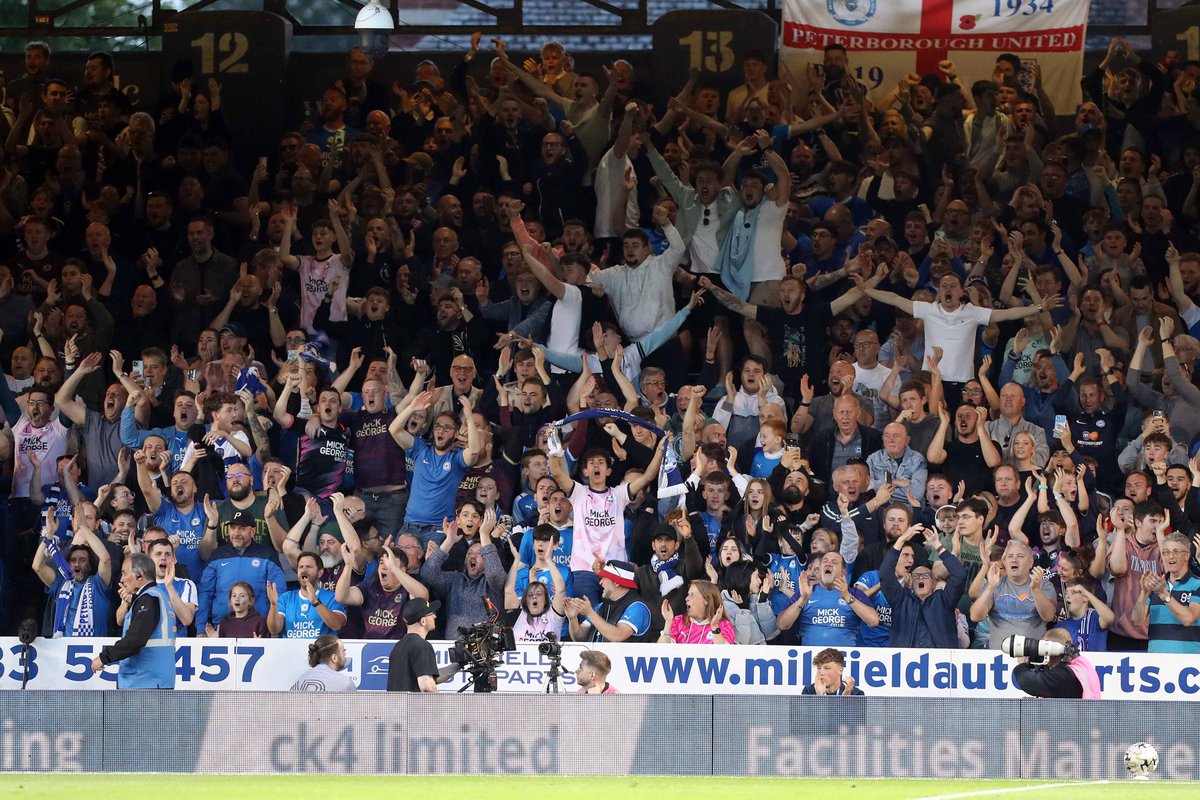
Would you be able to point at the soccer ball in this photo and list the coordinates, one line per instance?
(1141, 759)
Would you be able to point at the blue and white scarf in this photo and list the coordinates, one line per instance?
(668, 579)
(84, 623)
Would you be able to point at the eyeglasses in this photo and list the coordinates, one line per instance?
(237, 475)
(37, 402)
(864, 345)
(462, 369)
(445, 428)
(654, 382)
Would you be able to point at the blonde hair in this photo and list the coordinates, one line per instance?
(711, 594)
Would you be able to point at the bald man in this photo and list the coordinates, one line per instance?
(899, 465)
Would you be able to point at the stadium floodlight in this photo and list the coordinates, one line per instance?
(374, 23)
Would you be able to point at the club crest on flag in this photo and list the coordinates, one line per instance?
(851, 12)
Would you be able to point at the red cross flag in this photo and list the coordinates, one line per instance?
(887, 39)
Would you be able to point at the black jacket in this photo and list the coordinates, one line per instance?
(820, 454)
(935, 612)
(143, 619)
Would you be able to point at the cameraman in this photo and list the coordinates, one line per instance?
(1068, 676)
(412, 666)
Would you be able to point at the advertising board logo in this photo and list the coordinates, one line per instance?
(851, 12)
(375, 658)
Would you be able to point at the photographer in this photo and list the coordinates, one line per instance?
(1069, 675)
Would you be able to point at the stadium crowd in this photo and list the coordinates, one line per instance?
(918, 372)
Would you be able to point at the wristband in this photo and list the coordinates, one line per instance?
(1043, 486)
(716, 631)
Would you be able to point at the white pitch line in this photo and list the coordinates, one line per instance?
(1009, 790)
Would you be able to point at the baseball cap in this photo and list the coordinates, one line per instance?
(620, 573)
(664, 531)
(947, 90)
(243, 517)
(235, 329)
(418, 608)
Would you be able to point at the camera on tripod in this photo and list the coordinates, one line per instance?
(478, 647)
(551, 648)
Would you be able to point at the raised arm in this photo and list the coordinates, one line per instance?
(650, 475)
(782, 192)
(554, 285)
(1178, 293)
(729, 300)
(86, 536)
(558, 470)
(346, 593)
(345, 249)
(64, 398)
(397, 427)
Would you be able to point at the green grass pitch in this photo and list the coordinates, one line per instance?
(275, 787)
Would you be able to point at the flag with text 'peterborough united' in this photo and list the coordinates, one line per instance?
(887, 39)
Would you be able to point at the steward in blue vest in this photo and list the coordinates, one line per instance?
(146, 649)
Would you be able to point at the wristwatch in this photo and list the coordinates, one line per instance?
(716, 631)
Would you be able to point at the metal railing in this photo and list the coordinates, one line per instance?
(455, 17)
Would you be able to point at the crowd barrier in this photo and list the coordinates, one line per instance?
(860, 737)
(274, 664)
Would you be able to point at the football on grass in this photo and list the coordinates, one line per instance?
(1141, 759)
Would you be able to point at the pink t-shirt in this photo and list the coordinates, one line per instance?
(599, 530)
(533, 629)
(49, 442)
(687, 631)
(608, 689)
(316, 277)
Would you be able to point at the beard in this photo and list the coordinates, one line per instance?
(241, 492)
(791, 496)
(330, 560)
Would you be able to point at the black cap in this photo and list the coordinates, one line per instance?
(947, 90)
(418, 608)
(244, 517)
(664, 531)
(236, 329)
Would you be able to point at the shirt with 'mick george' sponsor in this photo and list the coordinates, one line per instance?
(322, 461)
